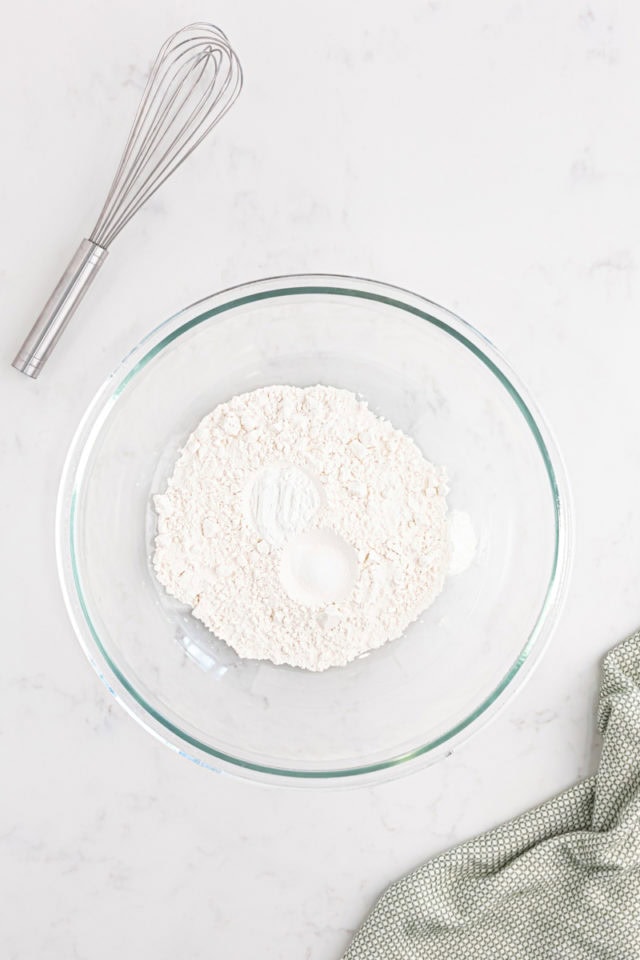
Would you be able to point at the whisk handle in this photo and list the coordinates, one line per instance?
(59, 308)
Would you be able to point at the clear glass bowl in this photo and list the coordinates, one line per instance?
(409, 702)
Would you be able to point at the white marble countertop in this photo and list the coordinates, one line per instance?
(485, 155)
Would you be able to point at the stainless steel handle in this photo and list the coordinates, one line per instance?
(59, 308)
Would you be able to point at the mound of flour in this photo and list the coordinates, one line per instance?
(301, 528)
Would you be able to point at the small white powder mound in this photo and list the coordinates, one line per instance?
(301, 528)
(463, 542)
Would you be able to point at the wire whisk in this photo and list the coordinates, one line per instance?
(194, 81)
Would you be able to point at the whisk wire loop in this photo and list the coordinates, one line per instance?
(194, 81)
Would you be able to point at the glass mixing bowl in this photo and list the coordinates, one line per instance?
(414, 699)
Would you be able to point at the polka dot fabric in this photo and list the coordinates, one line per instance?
(561, 882)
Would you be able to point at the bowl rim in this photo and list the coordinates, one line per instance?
(135, 361)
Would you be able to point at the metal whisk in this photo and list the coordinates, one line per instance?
(195, 79)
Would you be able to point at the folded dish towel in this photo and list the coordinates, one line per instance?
(561, 882)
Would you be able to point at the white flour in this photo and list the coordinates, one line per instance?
(301, 528)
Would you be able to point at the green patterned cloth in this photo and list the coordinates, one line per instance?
(561, 882)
